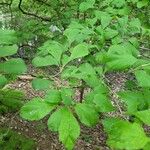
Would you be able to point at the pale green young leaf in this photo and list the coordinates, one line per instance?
(36, 109)
(8, 50)
(13, 66)
(69, 129)
(87, 114)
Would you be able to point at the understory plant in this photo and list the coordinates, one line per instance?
(10, 100)
(105, 38)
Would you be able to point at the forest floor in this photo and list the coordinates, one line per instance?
(90, 138)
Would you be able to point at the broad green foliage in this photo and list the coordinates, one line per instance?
(69, 129)
(143, 78)
(124, 135)
(87, 114)
(144, 116)
(3, 81)
(8, 47)
(53, 96)
(80, 50)
(7, 37)
(55, 119)
(41, 84)
(83, 40)
(86, 5)
(36, 109)
(8, 50)
(13, 66)
(10, 139)
(10, 100)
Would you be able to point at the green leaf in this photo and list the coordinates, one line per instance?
(134, 100)
(120, 62)
(142, 3)
(104, 17)
(48, 60)
(143, 78)
(8, 50)
(87, 114)
(124, 135)
(13, 66)
(36, 109)
(3, 81)
(144, 116)
(147, 146)
(55, 119)
(66, 95)
(53, 96)
(41, 84)
(77, 32)
(103, 103)
(7, 37)
(69, 129)
(84, 6)
(110, 33)
(135, 25)
(54, 48)
(78, 51)
(118, 3)
(123, 49)
(88, 74)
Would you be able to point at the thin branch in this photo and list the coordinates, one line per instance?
(32, 14)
